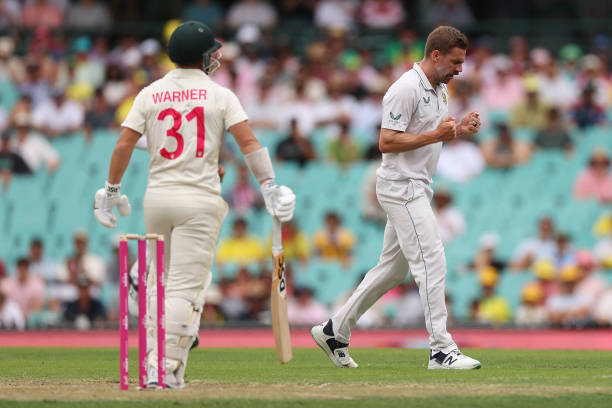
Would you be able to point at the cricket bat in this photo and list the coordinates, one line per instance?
(278, 297)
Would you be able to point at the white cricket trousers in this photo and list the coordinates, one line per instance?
(190, 226)
(411, 244)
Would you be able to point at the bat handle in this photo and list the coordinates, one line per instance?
(277, 240)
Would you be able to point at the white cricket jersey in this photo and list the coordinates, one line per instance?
(413, 106)
(184, 115)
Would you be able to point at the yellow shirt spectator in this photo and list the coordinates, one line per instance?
(334, 241)
(240, 248)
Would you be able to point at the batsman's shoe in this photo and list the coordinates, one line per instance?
(337, 352)
(452, 361)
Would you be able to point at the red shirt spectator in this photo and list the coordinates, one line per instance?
(382, 13)
(42, 13)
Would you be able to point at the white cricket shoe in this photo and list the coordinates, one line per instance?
(452, 361)
(337, 352)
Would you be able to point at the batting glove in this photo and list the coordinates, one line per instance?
(280, 200)
(106, 198)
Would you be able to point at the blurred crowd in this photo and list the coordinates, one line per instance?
(63, 76)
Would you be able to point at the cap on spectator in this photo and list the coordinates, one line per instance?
(81, 44)
(532, 292)
(57, 92)
(570, 274)
(570, 52)
(7, 46)
(591, 62)
(231, 50)
(502, 63)
(540, 56)
(585, 260)
(600, 153)
(150, 47)
(544, 269)
(488, 240)
(81, 234)
(488, 276)
(248, 34)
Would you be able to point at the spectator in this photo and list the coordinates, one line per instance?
(116, 87)
(334, 241)
(591, 282)
(11, 65)
(491, 309)
(257, 12)
(10, 14)
(370, 207)
(40, 265)
(89, 15)
(466, 100)
(531, 112)
(556, 89)
(506, 90)
(531, 312)
(100, 116)
(243, 196)
(58, 116)
(450, 12)
(11, 317)
(555, 134)
(35, 150)
(150, 67)
(460, 160)
(408, 307)
(88, 71)
(24, 289)
(504, 152)
(533, 248)
(85, 311)
(2, 269)
(232, 306)
(83, 263)
(344, 150)
(240, 248)
(563, 253)
(602, 313)
(295, 147)
(295, 243)
(303, 310)
(23, 107)
(569, 308)
(485, 256)
(38, 13)
(595, 182)
(451, 222)
(10, 162)
(587, 112)
(35, 84)
(382, 14)
(204, 11)
(335, 14)
(603, 251)
(545, 271)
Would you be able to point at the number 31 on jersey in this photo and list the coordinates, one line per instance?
(198, 114)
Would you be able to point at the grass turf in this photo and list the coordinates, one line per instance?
(35, 377)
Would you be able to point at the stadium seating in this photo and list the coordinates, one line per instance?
(507, 202)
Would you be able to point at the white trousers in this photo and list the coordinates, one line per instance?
(411, 244)
(190, 228)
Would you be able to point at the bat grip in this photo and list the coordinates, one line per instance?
(277, 240)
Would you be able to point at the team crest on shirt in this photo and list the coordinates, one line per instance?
(444, 98)
(395, 117)
(426, 100)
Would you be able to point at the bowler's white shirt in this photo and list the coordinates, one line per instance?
(413, 105)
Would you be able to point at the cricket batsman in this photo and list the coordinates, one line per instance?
(184, 116)
(415, 123)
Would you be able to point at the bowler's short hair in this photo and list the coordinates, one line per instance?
(444, 39)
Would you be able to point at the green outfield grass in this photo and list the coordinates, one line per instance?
(34, 377)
